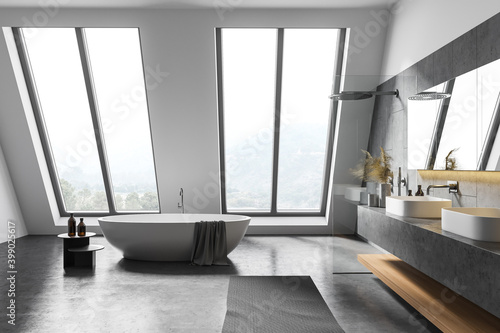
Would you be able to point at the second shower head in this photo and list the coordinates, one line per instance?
(429, 96)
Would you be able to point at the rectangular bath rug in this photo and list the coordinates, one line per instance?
(277, 304)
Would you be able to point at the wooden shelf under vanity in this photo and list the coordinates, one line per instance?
(447, 310)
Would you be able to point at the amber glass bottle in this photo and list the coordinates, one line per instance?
(71, 225)
(419, 193)
(81, 228)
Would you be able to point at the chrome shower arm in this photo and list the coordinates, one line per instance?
(378, 93)
(358, 95)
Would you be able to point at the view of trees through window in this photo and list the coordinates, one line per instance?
(61, 85)
(86, 199)
(262, 72)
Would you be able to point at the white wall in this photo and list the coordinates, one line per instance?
(420, 27)
(9, 207)
(183, 107)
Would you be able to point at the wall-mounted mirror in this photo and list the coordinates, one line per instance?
(458, 132)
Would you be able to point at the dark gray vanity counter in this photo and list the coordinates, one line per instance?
(470, 268)
(434, 225)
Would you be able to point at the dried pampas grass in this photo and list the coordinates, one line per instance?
(451, 162)
(381, 168)
(362, 169)
(374, 169)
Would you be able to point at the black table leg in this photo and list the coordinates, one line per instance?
(69, 257)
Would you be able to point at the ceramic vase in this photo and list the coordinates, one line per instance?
(385, 191)
(363, 198)
(371, 187)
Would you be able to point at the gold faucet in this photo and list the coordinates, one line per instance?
(452, 187)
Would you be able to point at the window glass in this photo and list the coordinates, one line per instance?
(460, 131)
(251, 82)
(488, 94)
(422, 115)
(308, 68)
(249, 78)
(60, 87)
(118, 78)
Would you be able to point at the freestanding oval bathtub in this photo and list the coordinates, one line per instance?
(165, 237)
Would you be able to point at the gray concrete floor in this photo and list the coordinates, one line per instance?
(123, 295)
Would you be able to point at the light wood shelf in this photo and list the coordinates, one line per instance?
(447, 310)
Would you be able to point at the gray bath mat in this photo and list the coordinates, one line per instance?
(277, 304)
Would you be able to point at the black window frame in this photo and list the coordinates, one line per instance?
(279, 79)
(93, 106)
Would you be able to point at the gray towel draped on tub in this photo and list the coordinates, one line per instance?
(209, 246)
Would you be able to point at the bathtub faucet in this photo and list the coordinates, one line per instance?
(181, 204)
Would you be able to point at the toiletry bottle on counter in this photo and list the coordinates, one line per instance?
(81, 228)
(409, 193)
(71, 225)
(419, 193)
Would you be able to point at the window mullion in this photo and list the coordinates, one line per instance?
(439, 126)
(277, 119)
(490, 137)
(333, 117)
(35, 104)
(220, 102)
(95, 118)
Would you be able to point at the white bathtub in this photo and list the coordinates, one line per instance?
(165, 237)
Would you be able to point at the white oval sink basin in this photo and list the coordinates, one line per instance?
(421, 207)
(352, 193)
(481, 224)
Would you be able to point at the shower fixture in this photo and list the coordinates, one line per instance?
(429, 96)
(358, 95)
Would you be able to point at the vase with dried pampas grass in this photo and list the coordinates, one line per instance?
(375, 170)
(451, 161)
(382, 171)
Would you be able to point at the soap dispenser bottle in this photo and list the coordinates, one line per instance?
(71, 225)
(81, 228)
(419, 193)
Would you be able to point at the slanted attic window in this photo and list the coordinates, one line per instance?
(276, 118)
(88, 93)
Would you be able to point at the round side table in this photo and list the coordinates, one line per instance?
(77, 250)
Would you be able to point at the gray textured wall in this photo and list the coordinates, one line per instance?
(389, 128)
